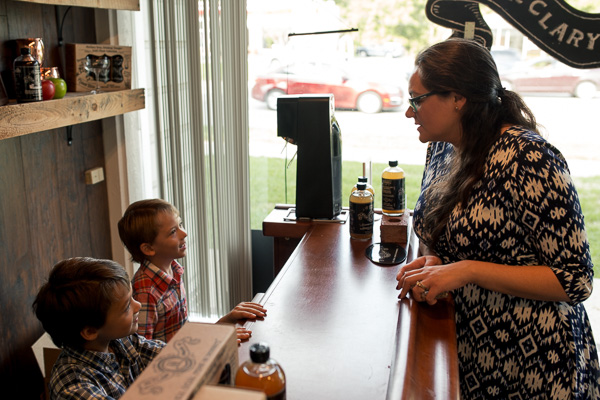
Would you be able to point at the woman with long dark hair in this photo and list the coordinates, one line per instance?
(501, 229)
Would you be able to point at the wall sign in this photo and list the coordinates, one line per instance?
(569, 35)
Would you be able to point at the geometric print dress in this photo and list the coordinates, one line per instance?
(524, 211)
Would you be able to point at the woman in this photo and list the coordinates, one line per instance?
(501, 228)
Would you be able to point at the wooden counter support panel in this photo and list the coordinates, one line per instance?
(286, 235)
(74, 108)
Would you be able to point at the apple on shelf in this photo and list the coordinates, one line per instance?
(47, 89)
(60, 87)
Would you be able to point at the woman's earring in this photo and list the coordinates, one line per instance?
(456, 108)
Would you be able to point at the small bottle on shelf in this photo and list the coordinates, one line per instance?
(361, 213)
(28, 80)
(262, 372)
(393, 195)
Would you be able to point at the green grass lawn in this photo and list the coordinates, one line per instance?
(589, 197)
(268, 179)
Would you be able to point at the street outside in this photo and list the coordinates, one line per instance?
(568, 123)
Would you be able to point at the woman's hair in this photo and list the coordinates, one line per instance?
(139, 225)
(467, 68)
(78, 294)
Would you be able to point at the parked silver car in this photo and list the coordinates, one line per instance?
(546, 74)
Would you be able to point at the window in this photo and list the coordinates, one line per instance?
(568, 121)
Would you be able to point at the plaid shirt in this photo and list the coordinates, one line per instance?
(83, 374)
(164, 305)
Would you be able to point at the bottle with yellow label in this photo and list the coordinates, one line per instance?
(262, 372)
(393, 195)
(361, 213)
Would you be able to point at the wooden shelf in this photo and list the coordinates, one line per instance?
(74, 108)
(133, 5)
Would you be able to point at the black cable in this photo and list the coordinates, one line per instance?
(60, 26)
(323, 32)
(62, 58)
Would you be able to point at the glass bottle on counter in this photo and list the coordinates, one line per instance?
(28, 79)
(364, 179)
(262, 372)
(393, 195)
(361, 213)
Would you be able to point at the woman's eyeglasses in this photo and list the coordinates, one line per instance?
(415, 101)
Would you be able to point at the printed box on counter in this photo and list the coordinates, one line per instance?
(208, 392)
(198, 354)
(116, 77)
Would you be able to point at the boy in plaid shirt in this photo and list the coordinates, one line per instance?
(153, 233)
(87, 308)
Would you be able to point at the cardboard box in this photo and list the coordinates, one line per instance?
(117, 76)
(198, 354)
(208, 392)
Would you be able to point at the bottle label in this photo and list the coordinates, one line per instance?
(361, 218)
(392, 194)
(28, 83)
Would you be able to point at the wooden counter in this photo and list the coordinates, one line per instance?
(336, 326)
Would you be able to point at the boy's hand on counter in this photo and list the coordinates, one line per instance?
(243, 334)
(247, 310)
(244, 311)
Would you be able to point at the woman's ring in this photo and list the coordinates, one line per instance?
(420, 284)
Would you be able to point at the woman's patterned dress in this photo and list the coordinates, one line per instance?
(524, 211)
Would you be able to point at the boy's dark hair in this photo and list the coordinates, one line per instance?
(79, 293)
(138, 225)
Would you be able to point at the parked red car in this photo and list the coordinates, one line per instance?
(313, 78)
(549, 75)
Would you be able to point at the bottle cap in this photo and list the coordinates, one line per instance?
(25, 50)
(393, 163)
(361, 186)
(259, 352)
(363, 179)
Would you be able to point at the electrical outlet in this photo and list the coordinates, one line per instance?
(94, 175)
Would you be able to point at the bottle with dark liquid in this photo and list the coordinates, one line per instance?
(361, 213)
(28, 79)
(262, 373)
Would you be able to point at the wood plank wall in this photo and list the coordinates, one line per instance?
(47, 212)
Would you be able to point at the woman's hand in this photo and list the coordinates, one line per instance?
(428, 279)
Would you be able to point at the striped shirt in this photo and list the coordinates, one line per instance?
(164, 305)
(84, 374)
